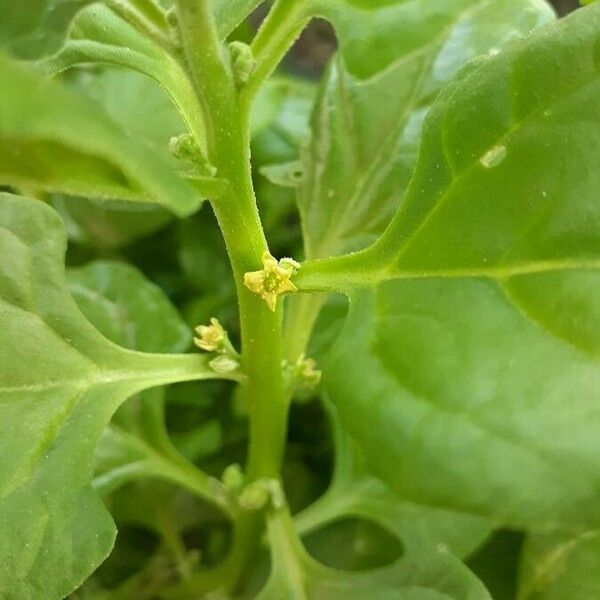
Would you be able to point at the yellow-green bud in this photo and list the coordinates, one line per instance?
(242, 61)
(212, 337)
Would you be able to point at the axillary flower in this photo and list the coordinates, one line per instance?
(212, 337)
(273, 279)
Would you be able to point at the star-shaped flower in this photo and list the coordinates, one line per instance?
(273, 279)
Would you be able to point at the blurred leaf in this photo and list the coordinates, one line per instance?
(127, 308)
(31, 28)
(415, 33)
(280, 118)
(366, 134)
(108, 224)
(52, 139)
(557, 566)
(280, 128)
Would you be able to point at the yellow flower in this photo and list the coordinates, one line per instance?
(273, 279)
(212, 337)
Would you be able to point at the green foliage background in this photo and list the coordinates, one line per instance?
(451, 450)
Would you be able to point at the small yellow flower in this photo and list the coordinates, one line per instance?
(273, 279)
(212, 337)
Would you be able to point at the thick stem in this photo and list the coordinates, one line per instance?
(237, 214)
(261, 332)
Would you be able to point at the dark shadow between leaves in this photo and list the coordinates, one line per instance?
(353, 544)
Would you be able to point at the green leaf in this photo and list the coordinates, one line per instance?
(280, 124)
(108, 224)
(558, 566)
(133, 312)
(52, 139)
(202, 256)
(35, 27)
(283, 104)
(141, 107)
(231, 13)
(61, 381)
(127, 308)
(100, 36)
(479, 323)
(421, 573)
(136, 103)
(354, 492)
(366, 134)
(411, 31)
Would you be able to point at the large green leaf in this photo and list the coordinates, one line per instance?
(366, 134)
(52, 139)
(479, 324)
(34, 27)
(60, 383)
(557, 566)
(131, 311)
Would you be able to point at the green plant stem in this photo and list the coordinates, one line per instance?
(279, 30)
(303, 311)
(229, 151)
(289, 555)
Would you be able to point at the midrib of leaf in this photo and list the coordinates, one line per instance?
(552, 564)
(385, 157)
(499, 273)
(364, 269)
(101, 375)
(517, 127)
(150, 377)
